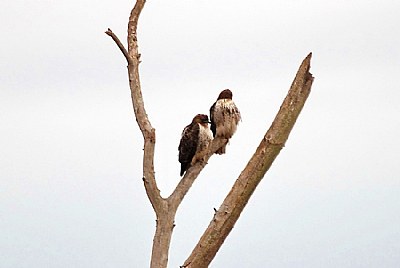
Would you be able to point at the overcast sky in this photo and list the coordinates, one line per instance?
(71, 193)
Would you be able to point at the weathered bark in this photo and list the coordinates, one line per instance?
(162, 237)
(270, 146)
(165, 208)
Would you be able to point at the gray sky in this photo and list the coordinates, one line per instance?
(71, 193)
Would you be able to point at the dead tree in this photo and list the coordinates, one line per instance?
(228, 213)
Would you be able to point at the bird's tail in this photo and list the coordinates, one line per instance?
(184, 167)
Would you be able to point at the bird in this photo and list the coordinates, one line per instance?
(225, 117)
(194, 141)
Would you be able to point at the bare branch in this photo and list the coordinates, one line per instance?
(165, 216)
(119, 44)
(270, 146)
(192, 173)
(132, 56)
(132, 27)
(234, 203)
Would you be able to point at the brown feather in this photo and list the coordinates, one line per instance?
(195, 139)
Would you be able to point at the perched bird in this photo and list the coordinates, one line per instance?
(225, 117)
(194, 141)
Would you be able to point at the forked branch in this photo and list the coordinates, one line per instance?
(165, 209)
(228, 213)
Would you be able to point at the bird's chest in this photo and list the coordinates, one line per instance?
(205, 137)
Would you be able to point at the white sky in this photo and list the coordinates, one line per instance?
(71, 193)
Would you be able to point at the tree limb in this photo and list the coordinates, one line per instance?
(270, 146)
(192, 173)
(119, 44)
(132, 27)
(132, 56)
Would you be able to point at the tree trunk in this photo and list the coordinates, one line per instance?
(162, 237)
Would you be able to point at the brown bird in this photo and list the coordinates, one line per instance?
(225, 117)
(194, 141)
